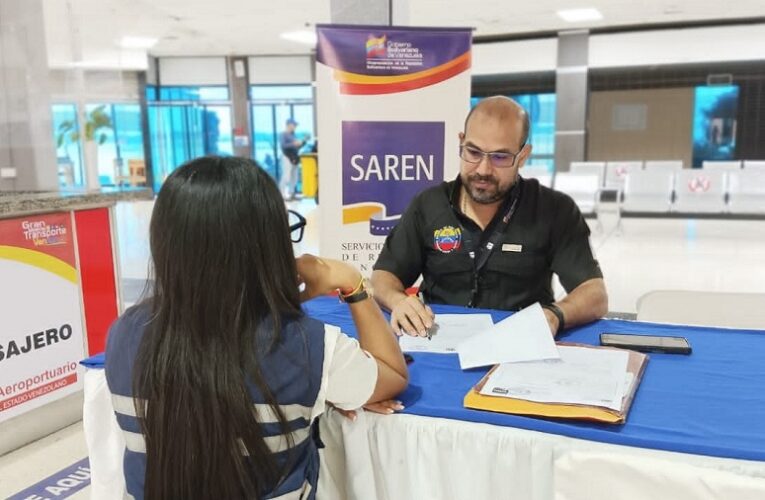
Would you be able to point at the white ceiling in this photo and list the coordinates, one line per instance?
(89, 30)
(492, 17)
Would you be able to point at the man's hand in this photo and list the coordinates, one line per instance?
(412, 317)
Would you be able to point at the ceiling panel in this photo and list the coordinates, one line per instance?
(90, 30)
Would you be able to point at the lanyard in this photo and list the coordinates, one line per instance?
(481, 257)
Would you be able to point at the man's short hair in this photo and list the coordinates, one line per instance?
(525, 126)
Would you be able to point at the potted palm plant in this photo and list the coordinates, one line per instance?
(97, 122)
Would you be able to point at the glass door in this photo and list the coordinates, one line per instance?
(271, 107)
(217, 130)
(182, 132)
(265, 139)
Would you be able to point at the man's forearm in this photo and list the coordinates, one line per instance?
(587, 302)
(387, 289)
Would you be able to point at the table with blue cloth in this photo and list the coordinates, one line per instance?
(696, 429)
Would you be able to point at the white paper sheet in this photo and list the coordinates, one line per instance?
(524, 336)
(451, 330)
(582, 376)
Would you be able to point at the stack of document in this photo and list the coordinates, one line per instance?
(582, 376)
(532, 375)
(587, 382)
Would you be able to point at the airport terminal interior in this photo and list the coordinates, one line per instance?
(649, 115)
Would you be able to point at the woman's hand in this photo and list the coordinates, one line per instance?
(383, 407)
(322, 276)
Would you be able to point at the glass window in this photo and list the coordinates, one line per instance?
(303, 114)
(280, 92)
(272, 106)
(181, 132)
(264, 138)
(217, 130)
(194, 93)
(714, 123)
(213, 94)
(66, 138)
(127, 128)
(124, 141)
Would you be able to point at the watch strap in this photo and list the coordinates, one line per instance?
(356, 297)
(558, 314)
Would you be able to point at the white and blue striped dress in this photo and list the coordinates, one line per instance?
(314, 364)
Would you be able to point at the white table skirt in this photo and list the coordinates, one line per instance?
(421, 458)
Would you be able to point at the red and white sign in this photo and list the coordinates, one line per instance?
(699, 184)
(41, 332)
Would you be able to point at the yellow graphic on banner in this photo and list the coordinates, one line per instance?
(39, 260)
(360, 213)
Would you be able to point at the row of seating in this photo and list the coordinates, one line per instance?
(693, 191)
(687, 193)
(611, 174)
(656, 189)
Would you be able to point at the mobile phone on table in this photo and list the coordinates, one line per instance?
(647, 343)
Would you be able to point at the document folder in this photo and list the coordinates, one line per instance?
(635, 365)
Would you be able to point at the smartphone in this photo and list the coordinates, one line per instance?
(647, 343)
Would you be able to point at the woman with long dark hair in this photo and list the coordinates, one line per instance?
(218, 378)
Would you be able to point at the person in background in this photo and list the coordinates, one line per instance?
(290, 146)
(490, 238)
(218, 378)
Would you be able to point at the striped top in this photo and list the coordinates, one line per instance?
(314, 364)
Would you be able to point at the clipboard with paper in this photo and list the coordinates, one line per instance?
(603, 398)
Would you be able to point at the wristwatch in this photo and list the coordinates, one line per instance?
(357, 295)
(558, 314)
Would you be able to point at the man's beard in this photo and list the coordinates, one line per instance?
(484, 196)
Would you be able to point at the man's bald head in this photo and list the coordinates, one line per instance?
(502, 109)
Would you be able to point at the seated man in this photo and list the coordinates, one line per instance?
(489, 238)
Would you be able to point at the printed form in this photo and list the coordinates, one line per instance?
(524, 336)
(585, 376)
(447, 333)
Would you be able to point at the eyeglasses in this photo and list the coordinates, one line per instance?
(297, 225)
(496, 158)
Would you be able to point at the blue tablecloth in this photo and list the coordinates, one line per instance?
(709, 403)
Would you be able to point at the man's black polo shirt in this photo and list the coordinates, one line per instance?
(547, 234)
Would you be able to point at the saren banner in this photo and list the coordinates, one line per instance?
(390, 104)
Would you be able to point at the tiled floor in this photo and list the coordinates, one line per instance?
(26, 466)
(647, 254)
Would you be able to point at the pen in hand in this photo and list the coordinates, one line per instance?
(429, 331)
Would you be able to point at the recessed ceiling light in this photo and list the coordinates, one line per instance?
(304, 36)
(579, 15)
(137, 42)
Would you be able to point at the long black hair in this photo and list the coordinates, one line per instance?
(223, 268)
